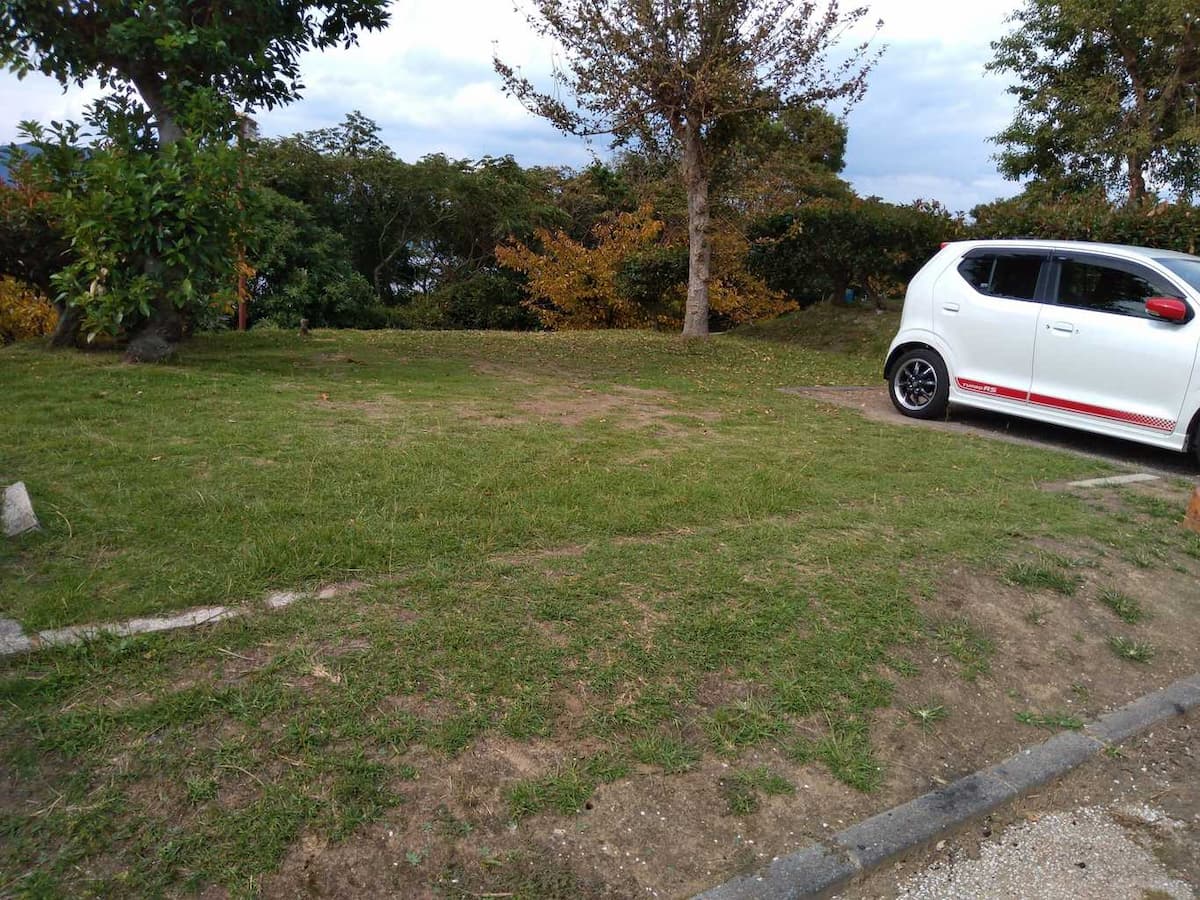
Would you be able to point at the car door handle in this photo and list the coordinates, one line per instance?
(1065, 327)
(951, 307)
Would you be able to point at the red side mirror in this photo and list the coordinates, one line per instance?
(1170, 308)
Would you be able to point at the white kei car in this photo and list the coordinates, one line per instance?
(1092, 336)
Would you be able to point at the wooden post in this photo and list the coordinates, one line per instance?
(247, 131)
(1192, 521)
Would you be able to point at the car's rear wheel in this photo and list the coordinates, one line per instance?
(920, 385)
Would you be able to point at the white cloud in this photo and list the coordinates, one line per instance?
(427, 80)
(41, 99)
(947, 22)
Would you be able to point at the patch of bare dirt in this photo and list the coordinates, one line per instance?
(421, 705)
(567, 551)
(519, 374)
(379, 409)
(569, 405)
(450, 837)
(628, 407)
(574, 551)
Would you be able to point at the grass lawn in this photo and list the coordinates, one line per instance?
(592, 558)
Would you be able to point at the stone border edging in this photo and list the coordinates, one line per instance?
(823, 868)
(14, 640)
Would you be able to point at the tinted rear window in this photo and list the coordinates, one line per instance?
(1003, 275)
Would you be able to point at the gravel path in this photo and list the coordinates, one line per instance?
(1131, 818)
(1084, 854)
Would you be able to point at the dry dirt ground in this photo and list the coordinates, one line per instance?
(656, 835)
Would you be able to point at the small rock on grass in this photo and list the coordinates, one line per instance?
(18, 511)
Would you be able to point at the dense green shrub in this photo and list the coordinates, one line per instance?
(485, 300)
(654, 278)
(830, 245)
(302, 270)
(1090, 217)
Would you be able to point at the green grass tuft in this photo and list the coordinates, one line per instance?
(741, 789)
(1131, 650)
(671, 754)
(1050, 721)
(1046, 574)
(928, 714)
(968, 646)
(743, 724)
(1127, 609)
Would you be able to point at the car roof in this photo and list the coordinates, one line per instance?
(1124, 250)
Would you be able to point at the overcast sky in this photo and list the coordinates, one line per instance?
(921, 132)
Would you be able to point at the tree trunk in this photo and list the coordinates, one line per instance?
(150, 87)
(837, 296)
(695, 177)
(1137, 179)
(155, 337)
(70, 319)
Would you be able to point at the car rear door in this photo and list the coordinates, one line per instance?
(1101, 358)
(986, 309)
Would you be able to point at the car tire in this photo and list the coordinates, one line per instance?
(920, 385)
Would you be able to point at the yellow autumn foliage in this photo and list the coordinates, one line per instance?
(734, 292)
(574, 286)
(24, 312)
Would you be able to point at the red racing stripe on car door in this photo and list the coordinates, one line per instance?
(1103, 412)
(992, 390)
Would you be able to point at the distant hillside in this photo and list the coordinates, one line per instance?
(5, 152)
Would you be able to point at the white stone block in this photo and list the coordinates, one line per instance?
(18, 511)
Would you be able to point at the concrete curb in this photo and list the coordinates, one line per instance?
(824, 868)
(14, 640)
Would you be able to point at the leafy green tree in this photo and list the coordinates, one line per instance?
(783, 160)
(353, 183)
(828, 246)
(32, 246)
(684, 75)
(178, 75)
(302, 270)
(1089, 215)
(411, 228)
(152, 234)
(1107, 95)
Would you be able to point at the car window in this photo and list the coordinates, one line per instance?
(1187, 269)
(1092, 285)
(1014, 276)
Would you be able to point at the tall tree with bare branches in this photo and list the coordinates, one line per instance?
(684, 76)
